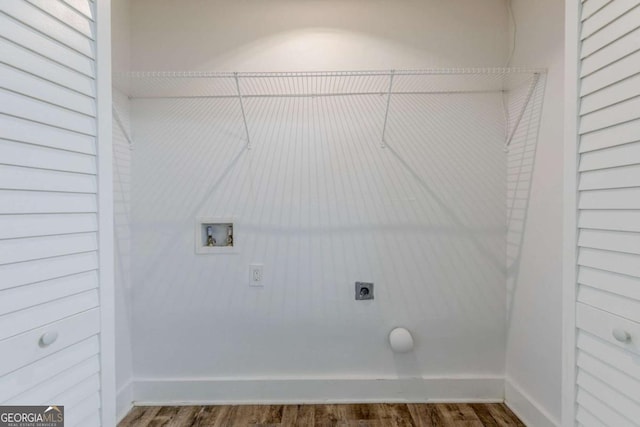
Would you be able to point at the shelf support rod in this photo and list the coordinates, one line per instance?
(116, 118)
(244, 116)
(386, 113)
(534, 83)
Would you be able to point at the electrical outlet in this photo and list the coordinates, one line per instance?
(255, 275)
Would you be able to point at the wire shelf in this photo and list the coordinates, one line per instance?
(200, 84)
(515, 84)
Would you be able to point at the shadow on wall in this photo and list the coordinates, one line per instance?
(520, 168)
(122, 195)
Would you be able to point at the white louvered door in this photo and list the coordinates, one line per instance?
(607, 300)
(50, 280)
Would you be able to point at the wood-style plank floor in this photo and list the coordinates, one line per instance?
(361, 415)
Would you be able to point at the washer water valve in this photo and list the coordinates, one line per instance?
(210, 240)
(230, 235)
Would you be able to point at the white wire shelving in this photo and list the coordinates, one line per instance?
(387, 83)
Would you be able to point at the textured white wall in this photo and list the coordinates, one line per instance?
(534, 337)
(317, 200)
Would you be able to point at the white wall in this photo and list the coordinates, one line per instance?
(120, 48)
(121, 35)
(321, 205)
(291, 35)
(534, 337)
(122, 212)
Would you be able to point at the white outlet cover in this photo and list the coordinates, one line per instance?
(256, 277)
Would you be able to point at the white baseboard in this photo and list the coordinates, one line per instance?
(528, 410)
(124, 401)
(280, 391)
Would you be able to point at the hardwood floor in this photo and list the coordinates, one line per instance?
(361, 415)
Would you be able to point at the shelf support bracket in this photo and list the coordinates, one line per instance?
(532, 87)
(116, 118)
(386, 113)
(244, 116)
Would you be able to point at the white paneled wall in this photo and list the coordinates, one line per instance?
(49, 281)
(608, 293)
(321, 204)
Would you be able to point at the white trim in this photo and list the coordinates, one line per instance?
(105, 213)
(572, 61)
(530, 412)
(124, 401)
(295, 391)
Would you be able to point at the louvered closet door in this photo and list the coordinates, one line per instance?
(608, 298)
(48, 208)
